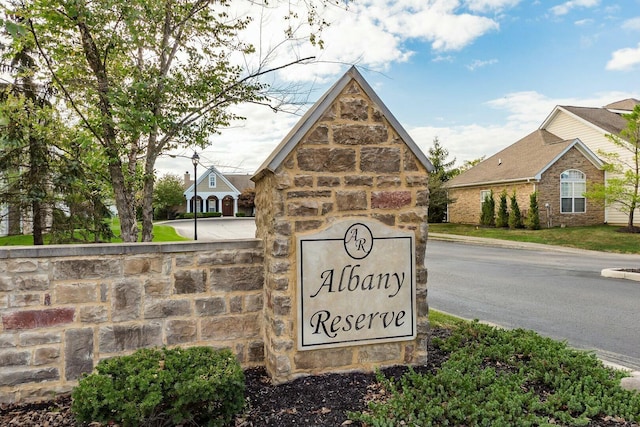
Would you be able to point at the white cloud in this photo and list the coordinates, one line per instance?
(583, 22)
(632, 24)
(479, 64)
(624, 59)
(490, 5)
(564, 8)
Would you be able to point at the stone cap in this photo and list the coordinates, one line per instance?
(317, 110)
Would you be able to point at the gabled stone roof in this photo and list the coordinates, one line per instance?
(296, 134)
(524, 160)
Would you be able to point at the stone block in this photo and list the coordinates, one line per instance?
(255, 352)
(386, 181)
(142, 265)
(32, 282)
(8, 340)
(303, 181)
(46, 355)
(210, 306)
(319, 135)
(230, 327)
(248, 278)
(116, 338)
(360, 134)
(160, 309)
(235, 304)
(181, 331)
(326, 159)
(39, 338)
(24, 300)
(380, 353)
(4, 301)
(190, 281)
(322, 359)
(14, 358)
(422, 198)
(278, 283)
(280, 248)
(31, 319)
(157, 286)
(409, 160)
(354, 109)
(388, 219)
(308, 194)
(351, 200)
(282, 227)
(281, 305)
(253, 303)
(94, 314)
(390, 199)
(279, 266)
(185, 260)
(303, 208)
(358, 181)
(75, 293)
(78, 352)
(73, 269)
(126, 301)
(417, 180)
(22, 266)
(328, 181)
(16, 377)
(6, 284)
(216, 258)
(380, 159)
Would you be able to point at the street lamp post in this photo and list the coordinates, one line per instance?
(194, 160)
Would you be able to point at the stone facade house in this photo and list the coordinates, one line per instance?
(569, 134)
(558, 170)
(216, 192)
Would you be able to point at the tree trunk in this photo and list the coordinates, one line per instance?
(125, 204)
(147, 207)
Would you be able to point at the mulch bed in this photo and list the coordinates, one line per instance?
(321, 400)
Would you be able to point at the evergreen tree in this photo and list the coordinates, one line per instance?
(488, 215)
(515, 217)
(533, 216)
(502, 220)
(443, 171)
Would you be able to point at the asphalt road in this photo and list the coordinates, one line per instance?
(558, 294)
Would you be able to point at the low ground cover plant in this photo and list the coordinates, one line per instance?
(504, 378)
(194, 386)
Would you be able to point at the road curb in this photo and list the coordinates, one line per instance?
(618, 273)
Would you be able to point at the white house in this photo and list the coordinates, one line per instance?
(215, 193)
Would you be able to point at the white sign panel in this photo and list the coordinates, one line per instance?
(356, 285)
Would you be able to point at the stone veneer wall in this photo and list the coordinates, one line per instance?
(351, 163)
(64, 308)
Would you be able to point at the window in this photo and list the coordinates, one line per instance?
(212, 180)
(573, 185)
(484, 194)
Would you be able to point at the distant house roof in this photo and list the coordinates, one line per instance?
(205, 175)
(240, 181)
(608, 118)
(317, 110)
(524, 160)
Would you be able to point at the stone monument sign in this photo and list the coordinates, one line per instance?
(356, 285)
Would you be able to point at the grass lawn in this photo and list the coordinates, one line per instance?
(161, 233)
(605, 238)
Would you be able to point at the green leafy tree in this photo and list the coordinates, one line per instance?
(488, 212)
(443, 171)
(468, 164)
(146, 76)
(623, 185)
(168, 195)
(502, 219)
(27, 123)
(533, 216)
(515, 217)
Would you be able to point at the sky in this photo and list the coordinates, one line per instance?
(477, 74)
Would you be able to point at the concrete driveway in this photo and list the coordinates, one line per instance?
(210, 229)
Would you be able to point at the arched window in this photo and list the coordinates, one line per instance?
(573, 185)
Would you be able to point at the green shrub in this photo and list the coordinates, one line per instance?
(502, 220)
(515, 217)
(240, 214)
(495, 377)
(195, 386)
(533, 217)
(189, 215)
(488, 213)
